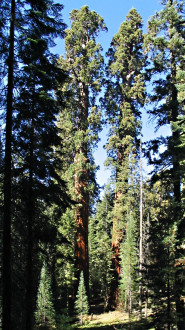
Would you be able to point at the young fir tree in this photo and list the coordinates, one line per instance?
(124, 96)
(45, 312)
(100, 235)
(165, 44)
(81, 303)
(128, 287)
(84, 63)
(159, 271)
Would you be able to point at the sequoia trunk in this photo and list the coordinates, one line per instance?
(81, 190)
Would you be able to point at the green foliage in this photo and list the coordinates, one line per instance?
(80, 121)
(45, 313)
(81, 303)
(159, 263)
(34, 181)
(124, 97)
(165, 44)
(128, 287)
(100, 236)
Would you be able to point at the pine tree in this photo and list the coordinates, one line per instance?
(124, 95)
(30, 161)
(165, 43)
(100, 235)
(45, 313)
(84, 63)
(81, 303)
(35, 130)
(159, 269)
(128, 287)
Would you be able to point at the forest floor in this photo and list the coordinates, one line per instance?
(113, 320)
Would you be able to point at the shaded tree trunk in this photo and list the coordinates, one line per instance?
(30, 206)
(6, 273)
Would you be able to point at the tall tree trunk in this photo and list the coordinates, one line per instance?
(117, 233)
(115, 259)
(6, 273)
(30, 206)
(141, 232)
(177, 199)
(81, 191)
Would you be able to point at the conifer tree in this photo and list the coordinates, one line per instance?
(81, 303)
(124, 95)
(29, 170)
(35, 130)
(128, 287)
(45, 313)
(100, 235)
(165, 43)
(159, 270)
(84, 63)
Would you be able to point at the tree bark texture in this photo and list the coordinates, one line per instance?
(81, 191)
(116, 237)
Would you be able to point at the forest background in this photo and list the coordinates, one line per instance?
(65, 249)
(114, 13)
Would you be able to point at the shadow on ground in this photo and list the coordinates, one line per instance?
(145, 325)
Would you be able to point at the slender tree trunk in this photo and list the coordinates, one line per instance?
(6, 273)
(141, 232)
(147, 265)
(81, 191)
(180, 309)
(29, 288)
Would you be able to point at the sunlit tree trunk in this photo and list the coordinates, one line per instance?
(81, 191)
(141, 232)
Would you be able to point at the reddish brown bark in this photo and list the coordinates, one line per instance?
(81, 219)
(116, 236)
(81, 191)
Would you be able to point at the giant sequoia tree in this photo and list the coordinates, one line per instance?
(85, 65)
(123, 97)
(165, 42)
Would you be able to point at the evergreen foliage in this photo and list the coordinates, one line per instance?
(81, 303)
(51, 119)
(45, 312)
(128, 286)
(30, 170)
(100, 236)
(165, 44)
(124, 96)
(84, 63)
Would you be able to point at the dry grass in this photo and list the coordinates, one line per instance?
(114, 320)
(110, 318)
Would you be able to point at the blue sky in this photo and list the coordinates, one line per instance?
(114, 13)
